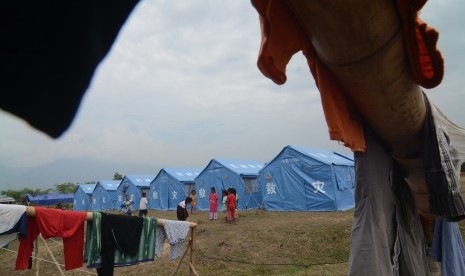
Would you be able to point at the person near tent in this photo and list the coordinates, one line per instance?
(213, 198)
(224, 208)
(60, 206)
(181, 211)
(143, 205)
(236, 212)
(126, 206)
(194, 201)
(231, 204)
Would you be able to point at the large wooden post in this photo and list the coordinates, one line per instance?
(192, 270)
(361, 44)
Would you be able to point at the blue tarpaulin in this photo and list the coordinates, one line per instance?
(171, 186)
(308, 179)
(49, 199)
(226, 173)
(104, 195)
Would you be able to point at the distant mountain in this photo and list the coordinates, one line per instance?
(67, 170)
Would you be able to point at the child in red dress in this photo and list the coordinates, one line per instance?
(213, 198)
(231, 204)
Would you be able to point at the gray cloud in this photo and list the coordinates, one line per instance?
(181, 87)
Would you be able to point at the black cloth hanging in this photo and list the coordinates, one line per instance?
(49, 51)
(122, 232)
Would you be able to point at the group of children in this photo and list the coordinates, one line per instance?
(229, 205)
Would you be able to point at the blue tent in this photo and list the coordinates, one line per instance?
(171, 186)
(223, 174)
(308, 179)
(104, 195)
(83, 197)
(134, 186)
(49, 199)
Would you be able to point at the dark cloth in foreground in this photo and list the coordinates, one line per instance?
(49, 51)
(387, 238)
(119, 231)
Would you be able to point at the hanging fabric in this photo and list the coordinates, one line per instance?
(175, 232)
(146, 248)
(54, 223)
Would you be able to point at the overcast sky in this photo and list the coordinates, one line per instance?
(181, 87)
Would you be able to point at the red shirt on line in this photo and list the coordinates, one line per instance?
(55, 223)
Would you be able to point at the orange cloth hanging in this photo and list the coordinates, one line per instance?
(282, 37)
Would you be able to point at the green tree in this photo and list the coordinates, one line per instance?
(21, 194)
(17, 195)
(117, 176)
(66, 188)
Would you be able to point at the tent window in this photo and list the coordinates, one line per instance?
(250, 186)
(188, 188)
(146, 191)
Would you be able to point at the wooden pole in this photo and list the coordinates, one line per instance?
(37, 259)
(30, 212)
(52, 256)
(192, 270)
(375, 74)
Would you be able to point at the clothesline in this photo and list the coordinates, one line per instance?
(30, 212)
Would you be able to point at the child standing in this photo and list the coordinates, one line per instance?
(193, 196)
(143, 205)
(231, 203)
(213, 198)
(181, 211)
(126, 206)
(224, 207)
(233, 190)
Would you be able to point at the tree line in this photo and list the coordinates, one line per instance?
(63, 188)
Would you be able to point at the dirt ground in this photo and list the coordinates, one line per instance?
(262, 243)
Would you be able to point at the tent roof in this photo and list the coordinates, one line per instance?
(109, 185)
(87, 188)
(241, 167)
(183, 174)
(324, 156)
(349, 156)
(140, 180)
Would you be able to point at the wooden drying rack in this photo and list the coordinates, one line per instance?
(31, 212)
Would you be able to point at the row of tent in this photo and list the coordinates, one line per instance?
(297, 179)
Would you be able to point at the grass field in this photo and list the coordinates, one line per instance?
(262, 243)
